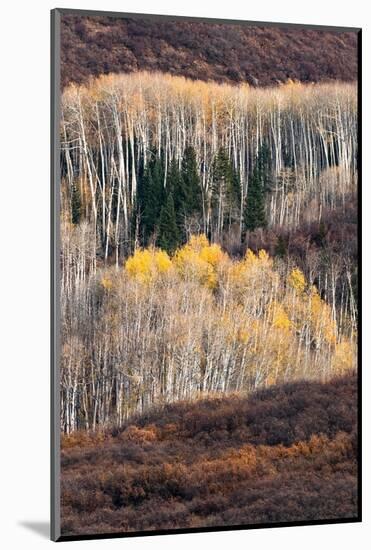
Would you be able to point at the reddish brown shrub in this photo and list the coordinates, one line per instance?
(288, 453)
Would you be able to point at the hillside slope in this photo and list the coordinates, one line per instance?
(260, 56)
(285, 454)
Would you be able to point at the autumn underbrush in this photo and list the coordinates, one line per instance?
(285, 453)
(209, 51)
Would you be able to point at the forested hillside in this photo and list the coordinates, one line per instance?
(167, 329)
(209, 240)
(131, 142)
(208, 274)
(205, 173)
(256, 55)
(288, 453)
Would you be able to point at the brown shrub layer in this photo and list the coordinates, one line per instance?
(287, 453)
(208, 51)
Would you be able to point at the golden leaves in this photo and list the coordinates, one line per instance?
(321, 318)
(199, 260)
(280, 319)
(106, 283)
(147, 265)
(297, 280)
(255, 313)
(344, 357)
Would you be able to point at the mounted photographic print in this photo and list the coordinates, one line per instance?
(205, 283)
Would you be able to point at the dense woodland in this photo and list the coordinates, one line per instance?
(171, 329)
(208, 240)
(258, 55)
(135, 147)
(288, 453)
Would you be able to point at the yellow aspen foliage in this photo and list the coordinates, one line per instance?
(250, 258)
(264, 257)
(261, 260)
(191, 266)
(212, 254)
(236, 273)
(252, 321)
(321, 317)
(243, 335)
(280, 318)
(198, 242)
(344, 357)
(162, 261)
(297, 280)
(254, 274)
(199, 260)
(146, 265)
(106, 283)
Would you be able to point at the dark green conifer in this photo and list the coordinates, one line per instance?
(254, 211)
(191, 181)
(226, 198)
(151, 196)
(175, 185)
(168, 238)
(226, 186)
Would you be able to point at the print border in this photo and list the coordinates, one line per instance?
(55, 526)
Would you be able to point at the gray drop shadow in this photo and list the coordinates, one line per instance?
(42, 528)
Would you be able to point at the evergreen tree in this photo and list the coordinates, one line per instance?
(263, 162)
(168, 238)
(254, 211)
(235, 188)
(143, 196)
(191, 181)
(226, 186)
(75, 205)
(175, 186)
(151, 196)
